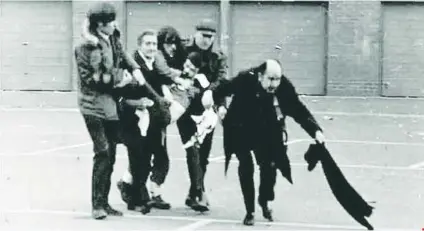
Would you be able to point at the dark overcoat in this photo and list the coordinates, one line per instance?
(251, 121)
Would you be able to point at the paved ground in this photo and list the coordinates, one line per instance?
(45, 171)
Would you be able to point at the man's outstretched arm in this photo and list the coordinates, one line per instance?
(296, 109)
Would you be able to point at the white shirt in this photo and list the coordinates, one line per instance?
(149, 62)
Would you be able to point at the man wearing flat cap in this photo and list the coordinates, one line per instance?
(214, 66)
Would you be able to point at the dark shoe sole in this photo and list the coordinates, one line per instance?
(116, 214)
(145, 210)
(162, 207)
(131, 207)
(267, 214)
(189, 203)
(99, 217)
(249, 222)
(199, 208)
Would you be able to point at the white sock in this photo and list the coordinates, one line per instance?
(127, 177)
(154, 189)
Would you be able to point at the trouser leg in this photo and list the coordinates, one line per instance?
(204, 153)
(187, 128)
(104, 158)
(245, 172)
(160, 167)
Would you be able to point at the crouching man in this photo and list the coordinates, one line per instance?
(262, 98)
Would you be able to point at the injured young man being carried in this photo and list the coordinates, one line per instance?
(186, 95)
(180, 96)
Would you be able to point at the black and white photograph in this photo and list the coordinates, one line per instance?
(136, 115)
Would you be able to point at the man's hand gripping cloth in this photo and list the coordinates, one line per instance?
(142, 112)
(205, 124)
(345, 194)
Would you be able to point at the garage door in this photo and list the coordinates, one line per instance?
(36, 44)
(181, 15)
(299, 29)
(403, 49)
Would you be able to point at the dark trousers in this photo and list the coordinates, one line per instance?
(156, 148)
(269, 161)
(197, 158)
(138, 165)
(104, 135)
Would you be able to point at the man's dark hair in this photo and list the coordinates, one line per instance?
(169, 35)
(143, 34)
(195, 59)
(103, 12)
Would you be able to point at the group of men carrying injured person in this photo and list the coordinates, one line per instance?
(131, 99)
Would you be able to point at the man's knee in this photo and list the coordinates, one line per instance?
(102, 149)
(268, 171)
(204, 162)
(245, 163)
(186, 128)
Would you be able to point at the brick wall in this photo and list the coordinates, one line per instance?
(353, 48)
(353, 39)
(403, 49)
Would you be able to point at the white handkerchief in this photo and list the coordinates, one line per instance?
(144, 121)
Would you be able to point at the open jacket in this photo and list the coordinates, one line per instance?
(250, 123)
(95, 97)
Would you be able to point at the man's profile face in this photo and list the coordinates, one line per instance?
(107, 28)
(204, 39)
(189, 70)
(269, 81)
(170, 49)
(149, 46)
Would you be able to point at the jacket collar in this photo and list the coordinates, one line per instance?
(94, 37)
(140, 61)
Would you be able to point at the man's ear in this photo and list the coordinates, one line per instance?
(260, 76)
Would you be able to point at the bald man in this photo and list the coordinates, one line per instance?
(255, 121)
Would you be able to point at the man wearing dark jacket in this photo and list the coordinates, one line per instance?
(180, 98)
(101, 68)
(154, 140)
(167, 62)
(262, 98)
(214, 66)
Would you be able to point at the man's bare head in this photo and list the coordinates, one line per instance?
(270, 73)
(273, 68)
